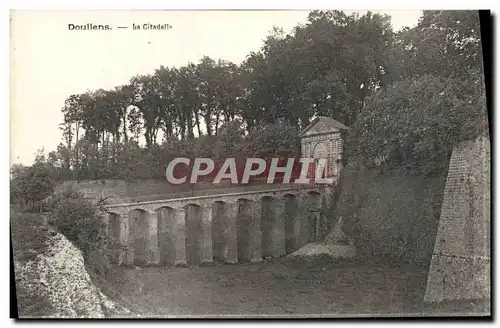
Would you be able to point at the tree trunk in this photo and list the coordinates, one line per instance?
(216, 127)
(198, 125)
(189, 122)
(147, 135)
(77, 159)
(125, 137)
(207, 123)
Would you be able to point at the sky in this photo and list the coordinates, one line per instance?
(49, 62)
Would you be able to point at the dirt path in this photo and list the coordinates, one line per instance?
(281, 288)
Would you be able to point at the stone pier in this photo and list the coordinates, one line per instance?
(299, 235)
(219, 219)
(206, 245)
(180, 236)
(231, 233)
(113, 235)
(166, 236)
(153, 251)
(131, 244)
(291, 220)
(245, 233)
(123, 248)
(278, 239)
(255, 232)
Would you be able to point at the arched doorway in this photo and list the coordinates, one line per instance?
(320, 152)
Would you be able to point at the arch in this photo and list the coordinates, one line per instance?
(194, 233)
(266, 224)
(313, 193)
(291, 193)
(291, 222)
(320, 150)
(138, 237)
(166, 238)
(219, 222)
(138, 208)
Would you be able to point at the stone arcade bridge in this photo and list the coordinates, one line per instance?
(238, 227)
(231, 228)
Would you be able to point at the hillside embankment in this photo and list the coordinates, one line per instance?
(51, 277)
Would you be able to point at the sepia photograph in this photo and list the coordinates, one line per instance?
(250, 164)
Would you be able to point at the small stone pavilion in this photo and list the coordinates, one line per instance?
(322, 139)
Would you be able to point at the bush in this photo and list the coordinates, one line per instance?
(32, 185)
(78, 219)
(30, 235)
(81, 221)
(272, 140)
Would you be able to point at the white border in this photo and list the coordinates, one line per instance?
(147, 4)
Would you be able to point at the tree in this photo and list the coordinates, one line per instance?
(280, 139)
(149, 104)
(32, 185)
(444, 43)
(416, 123)
(328, 66)
(336, 65)
(229, 139)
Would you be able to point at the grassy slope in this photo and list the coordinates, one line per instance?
(392, 216)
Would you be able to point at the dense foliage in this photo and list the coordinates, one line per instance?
(327, 66)
(417, 123)
(409, 96)
(78, 219)
(438, 101)
(29, 186)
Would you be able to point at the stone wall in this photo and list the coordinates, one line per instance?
(460, 266)
(121, 191)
